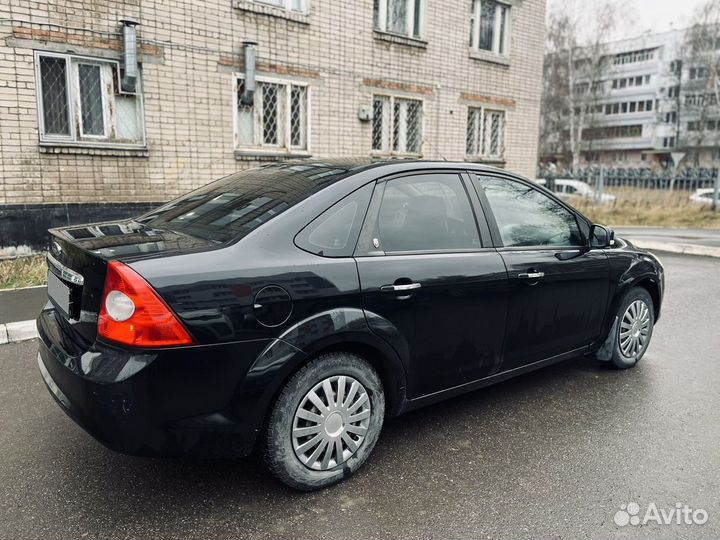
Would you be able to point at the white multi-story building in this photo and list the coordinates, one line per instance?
(648, 106)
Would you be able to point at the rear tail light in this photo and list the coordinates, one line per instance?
(133, 314)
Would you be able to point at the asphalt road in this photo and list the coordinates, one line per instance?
(699, 237)
(548, 455)
(22, 304)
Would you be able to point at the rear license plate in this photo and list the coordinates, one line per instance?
(59, 293)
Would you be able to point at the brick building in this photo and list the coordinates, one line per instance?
(82, 138)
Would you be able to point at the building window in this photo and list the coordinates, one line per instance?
(87, 101)
(404, 17)
(278, 118)
(397, 126)
(490, 26)
(671, 117)
(289, 5)
(485, 135)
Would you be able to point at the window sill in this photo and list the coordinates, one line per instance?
(260, 155)
(489, 57)
(393, 155)
(272, 11)
(400, 39)
(93, 150)
(496, 162)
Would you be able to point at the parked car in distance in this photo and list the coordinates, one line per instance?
(703, 196)
(566, 188)
(295, 306)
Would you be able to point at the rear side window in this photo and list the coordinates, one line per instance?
(334, 233)
(429, 212)
(527, 217)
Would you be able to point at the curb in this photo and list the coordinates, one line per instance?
(17, 331)
(685, 249)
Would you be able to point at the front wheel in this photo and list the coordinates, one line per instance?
(325, 422)
(630, 336)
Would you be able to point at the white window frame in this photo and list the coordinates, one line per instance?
(403, 135)
(382, 19)
(483, 136)
(285, 147)
(77, 136)
(496, 46)
(287, 5)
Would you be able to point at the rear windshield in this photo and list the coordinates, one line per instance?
(232, 207)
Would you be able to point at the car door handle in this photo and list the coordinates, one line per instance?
(532, 275)
(400, 288)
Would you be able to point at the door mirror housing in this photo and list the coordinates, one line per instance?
(601, 237)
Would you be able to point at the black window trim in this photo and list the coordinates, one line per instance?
(354, 238)
(492, 222)
(483, 232)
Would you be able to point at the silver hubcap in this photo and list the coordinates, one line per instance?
(634, 329)
(331, 422)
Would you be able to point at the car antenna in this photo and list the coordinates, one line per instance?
(426, 140)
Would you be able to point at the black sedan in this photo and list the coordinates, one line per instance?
(293, 307)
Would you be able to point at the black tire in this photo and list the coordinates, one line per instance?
(279, 452)
(612, 351)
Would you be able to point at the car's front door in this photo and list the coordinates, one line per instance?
(558, 289)
(428, 284)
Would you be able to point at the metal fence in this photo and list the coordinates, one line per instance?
(689, 179)
(702, 185)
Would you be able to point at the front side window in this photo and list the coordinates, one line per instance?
(404, 17)
(397, 125)
(485, 135)
(425, 213)
(490, 24)
(526, 217)
(277, 119)
(87, 100)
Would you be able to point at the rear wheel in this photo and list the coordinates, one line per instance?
(325, 422)
(630, 336)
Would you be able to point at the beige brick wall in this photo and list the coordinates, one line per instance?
(191, 48)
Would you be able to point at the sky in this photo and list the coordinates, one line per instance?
(650, 15)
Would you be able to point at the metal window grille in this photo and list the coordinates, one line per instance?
(56, 112)
(81, 99)
(485, 133)
(494, 134)
(91, 100)
(397, 125)
(474, 132)
(278, 118)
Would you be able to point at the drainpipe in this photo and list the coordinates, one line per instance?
(130, 55)
(250, 51)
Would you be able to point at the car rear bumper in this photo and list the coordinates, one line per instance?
(170, 402)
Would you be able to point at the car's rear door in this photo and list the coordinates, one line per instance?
(558, 289)
(429, 283)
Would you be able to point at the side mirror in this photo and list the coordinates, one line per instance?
(601, 237)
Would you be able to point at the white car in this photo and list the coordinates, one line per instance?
(566, 188)
(702, 196)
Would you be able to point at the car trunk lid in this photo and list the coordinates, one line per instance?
(77, 265)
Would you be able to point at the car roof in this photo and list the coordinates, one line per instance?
(345, 167)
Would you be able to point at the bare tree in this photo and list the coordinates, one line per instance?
(575, 65)
(701, 81)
